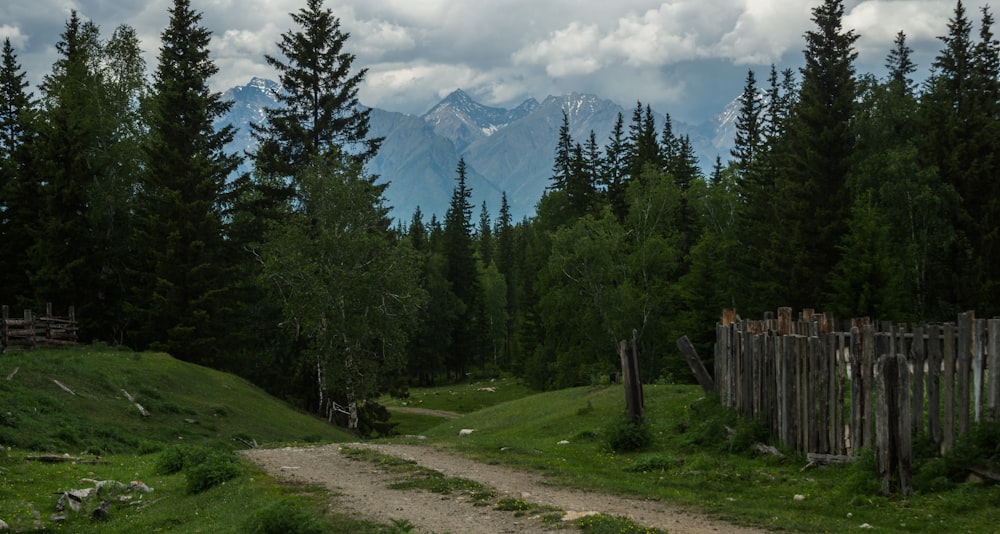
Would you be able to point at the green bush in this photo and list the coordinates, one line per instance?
(216, 468)
(284, 517)
(628, 436)
(176, 458)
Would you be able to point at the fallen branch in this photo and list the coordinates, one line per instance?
(66, 389)
(14, 372)
(53, 459)
(825, 459)
(131, 399)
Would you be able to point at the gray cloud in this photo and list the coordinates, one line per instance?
(687, 57)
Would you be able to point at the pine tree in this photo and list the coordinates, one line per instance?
(900, 64)
(484, 236)
(505, 264)
(18, 188)
(184, 268)
(318, 113)
(642, 146)
(459, 253)
(812, 194)
(62, 256)
(960, 130)
(749, 138)
(613, 171)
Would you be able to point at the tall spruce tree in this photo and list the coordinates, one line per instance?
(812, 196)
(960, 126)
(318, 113)
(18, 187)
(504, 233)
(613, 170)
(73, 137)
(749, 137)
(459, 252)
(183, 267)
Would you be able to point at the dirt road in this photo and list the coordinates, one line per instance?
(362, 490)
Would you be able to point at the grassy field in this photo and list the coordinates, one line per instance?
(192, 409)
(698, 454)
(695, 461)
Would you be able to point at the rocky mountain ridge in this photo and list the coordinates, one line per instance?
(505, 150)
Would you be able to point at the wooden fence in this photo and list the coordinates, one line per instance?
(30, 331)
(817, 388)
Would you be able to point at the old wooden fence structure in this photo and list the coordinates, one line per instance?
(824, 390)
(31, 331)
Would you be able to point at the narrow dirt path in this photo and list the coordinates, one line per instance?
(363, 490)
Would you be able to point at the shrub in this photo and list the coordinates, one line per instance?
(176, 458)
(216, 468)
(284, 517)
(628, 436)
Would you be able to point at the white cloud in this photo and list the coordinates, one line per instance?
(506, 50)
(570, 51)
(17, 39)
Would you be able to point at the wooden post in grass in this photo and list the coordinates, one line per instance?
(630, 379)
(691, 355)
(893, 440)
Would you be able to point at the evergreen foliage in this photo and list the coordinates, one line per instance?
(180, 298)
(861, 194)
(318, 112)
(459, 250)
(18, 188)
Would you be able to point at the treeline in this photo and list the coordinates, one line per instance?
(856, 194)
(860, 195)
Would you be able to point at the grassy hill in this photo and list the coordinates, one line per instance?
(186, 403)
(702, 455)
(195, 413)
(697, 453)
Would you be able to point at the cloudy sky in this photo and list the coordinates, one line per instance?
(685, 57)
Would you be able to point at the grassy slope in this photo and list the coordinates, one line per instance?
(188, 404)
(685, 465)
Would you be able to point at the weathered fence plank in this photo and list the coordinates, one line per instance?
(948, 378)
(934, 384)
(963, 366)
(815, 388)
(993, 377)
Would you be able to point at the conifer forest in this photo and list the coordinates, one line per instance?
(859, 194)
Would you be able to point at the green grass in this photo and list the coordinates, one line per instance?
(189, 405)
(463, 398)
(692, 461)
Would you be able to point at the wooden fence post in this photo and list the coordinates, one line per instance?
(934, 384)
(948, 393)
(966, 334)
(893, 457)
(691, 355)
(630, 379)
(917, 358)
(978, 344)
(993, 368)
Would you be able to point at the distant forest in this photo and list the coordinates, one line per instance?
(852, 193)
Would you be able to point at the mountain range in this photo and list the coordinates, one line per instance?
(505, 150)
